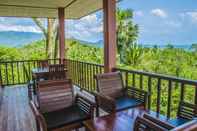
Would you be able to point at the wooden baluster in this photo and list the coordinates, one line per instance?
(18, 74)
(1, 80)
(158, 94)
(182, 92)
(89, 77)
(6, 73)
(133, 80)
(141, 81)
(126, 79)
(24, 78)
(169, 98)
(195, 97)
(12, 70)
(149, 91)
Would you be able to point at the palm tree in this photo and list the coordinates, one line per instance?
(127, 32)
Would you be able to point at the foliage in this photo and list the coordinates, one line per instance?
(127, 33)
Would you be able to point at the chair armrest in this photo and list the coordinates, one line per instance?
(106, 103)
(137, 94)
(85, 105)
(188, 126)
(159, 122)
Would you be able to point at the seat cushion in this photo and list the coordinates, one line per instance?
(177, 121)
(126, 102)
(63, 117)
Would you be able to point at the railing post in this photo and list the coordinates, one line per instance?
(195, 95)
(61, 34)
(109, 9)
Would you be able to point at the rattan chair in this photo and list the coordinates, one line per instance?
(186, 112)
(60, 108)
(112, 96)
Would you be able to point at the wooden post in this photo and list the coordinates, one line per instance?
(61, 34)
(109, 9)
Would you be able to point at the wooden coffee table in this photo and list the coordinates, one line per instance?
(120, 121)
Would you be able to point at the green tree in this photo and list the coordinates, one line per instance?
(51, 35)
(127, 33)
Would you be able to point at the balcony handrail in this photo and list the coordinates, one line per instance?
(15, 61)
(161, 76)
(95, 64)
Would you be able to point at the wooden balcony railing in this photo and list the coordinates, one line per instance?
(13, 73)
(82, 74)
(164, 92)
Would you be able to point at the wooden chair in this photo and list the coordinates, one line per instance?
(159, 122)
(40, 121)
(43, 63)
(189, 126)
(60, 108)
(186, 112)
(57, 71)
(112, 96)
(143, 124)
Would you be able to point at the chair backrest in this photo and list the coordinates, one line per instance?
(57, 71)
(54, 94)
(110, 84)
(40, 121)
(43, 63)
(158, 121)
(187, 110)
(143, 124)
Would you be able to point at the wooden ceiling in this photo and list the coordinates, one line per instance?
(74, 9)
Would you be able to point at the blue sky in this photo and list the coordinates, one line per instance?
(160, 22)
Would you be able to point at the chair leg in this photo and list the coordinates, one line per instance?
(97, 111)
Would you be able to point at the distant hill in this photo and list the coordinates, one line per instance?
(97, 43)
(17, 39)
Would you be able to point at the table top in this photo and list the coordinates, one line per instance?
(120, 121)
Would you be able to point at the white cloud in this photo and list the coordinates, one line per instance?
(138, 13)
(19, 28)
(159, 12)
(86, 28)
(192, 15)
(174, 24)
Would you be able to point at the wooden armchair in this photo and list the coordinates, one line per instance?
(112, 96)
(143, 124)
(57, 71)
(60, 108)
(186, 112)
(189, 126)
(159, 122)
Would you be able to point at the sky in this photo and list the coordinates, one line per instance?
(160, 22)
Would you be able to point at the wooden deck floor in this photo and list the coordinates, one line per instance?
(15, 113)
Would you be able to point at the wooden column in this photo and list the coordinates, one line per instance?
(61, 34)
(109, 9)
